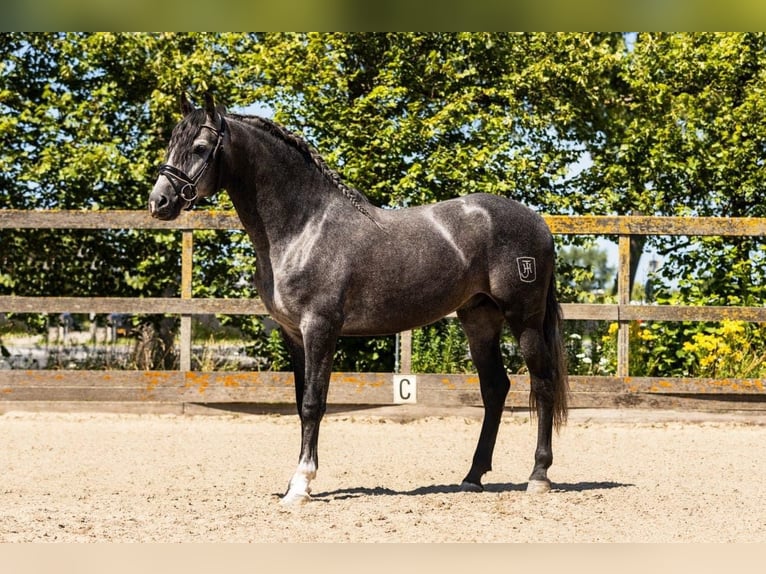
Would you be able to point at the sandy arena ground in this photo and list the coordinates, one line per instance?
(384, 476)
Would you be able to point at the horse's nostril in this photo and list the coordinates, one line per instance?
(158, 203)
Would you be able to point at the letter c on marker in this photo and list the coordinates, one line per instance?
(401, 389)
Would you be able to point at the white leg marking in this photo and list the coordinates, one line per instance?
(298, 491)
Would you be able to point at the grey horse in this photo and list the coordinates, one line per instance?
(331, 264)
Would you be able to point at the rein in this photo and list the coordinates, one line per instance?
(185, 185)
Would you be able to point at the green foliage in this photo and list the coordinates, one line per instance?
(583, 273)
(440, 348)
(84, 120)
(365, 354)
(584, 276)
(411, 118)
(277, 352)
(723, 350)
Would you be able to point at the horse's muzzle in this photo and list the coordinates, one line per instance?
(163, 203)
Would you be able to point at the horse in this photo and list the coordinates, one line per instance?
(330, 264)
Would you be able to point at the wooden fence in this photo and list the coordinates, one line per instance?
(190, 387)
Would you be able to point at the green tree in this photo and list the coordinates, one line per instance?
(84, 120)
(412, 118)
(686, 137)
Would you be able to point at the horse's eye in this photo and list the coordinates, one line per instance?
(199, 149)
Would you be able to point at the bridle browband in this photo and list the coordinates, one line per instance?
(185, 185)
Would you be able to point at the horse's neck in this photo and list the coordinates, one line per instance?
(275, 192)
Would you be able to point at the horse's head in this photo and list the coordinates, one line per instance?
(192, 168)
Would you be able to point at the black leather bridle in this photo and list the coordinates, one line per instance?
(185, 185)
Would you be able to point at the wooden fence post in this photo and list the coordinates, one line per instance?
(405, 352)
(623, 298)
(185, 335)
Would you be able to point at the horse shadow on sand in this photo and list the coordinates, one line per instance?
(496, 487)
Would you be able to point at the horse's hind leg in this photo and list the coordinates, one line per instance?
(483, 325)
(538, 360)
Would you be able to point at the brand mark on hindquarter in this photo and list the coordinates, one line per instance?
(527, 269)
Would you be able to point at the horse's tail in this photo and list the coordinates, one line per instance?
(554, 340)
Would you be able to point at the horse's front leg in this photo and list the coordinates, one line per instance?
(294, 344)
(319, 340)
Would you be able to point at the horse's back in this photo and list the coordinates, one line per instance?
(497, 227)
(508, 217)
(504, 215)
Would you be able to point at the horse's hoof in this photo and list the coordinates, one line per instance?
(538, 486)
(466, 486)
(295, 499)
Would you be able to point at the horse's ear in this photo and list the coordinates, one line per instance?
(186, 105)
(209, 104)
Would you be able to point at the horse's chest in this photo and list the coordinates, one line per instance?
(290, 296)
(276, 295)
(304, 277)
(284, 300)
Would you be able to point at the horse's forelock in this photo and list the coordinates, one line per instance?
(182, 138)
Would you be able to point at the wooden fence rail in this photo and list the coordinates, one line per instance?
(187, 386)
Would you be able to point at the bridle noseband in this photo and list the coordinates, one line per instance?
(185, 185)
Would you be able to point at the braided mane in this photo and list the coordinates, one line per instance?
(356, 198)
